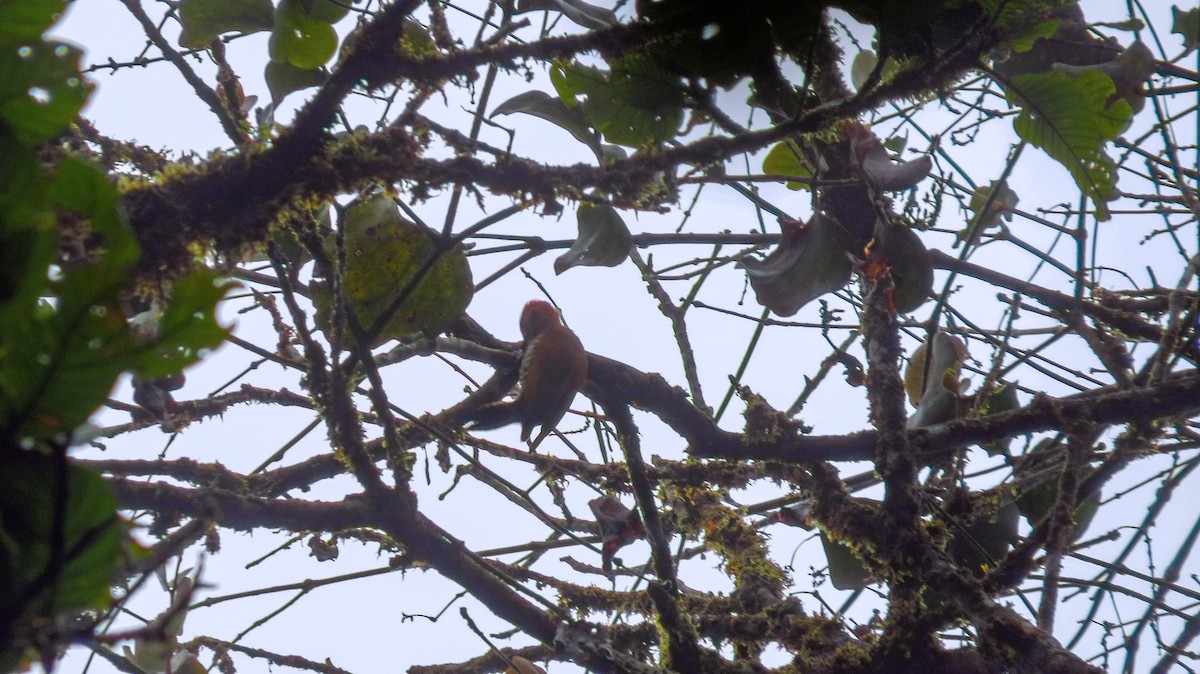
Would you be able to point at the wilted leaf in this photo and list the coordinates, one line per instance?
(810, 261)
(949, 353)
(582, 13)
(855, 375)
(860, 68)
(1186, 25)
(384, 252)
(1129, 72)
(323, 551)
(796, 515)
(603, 239)
(878, 167)
(785, 159)
(1128, 25)
(989, 204)
(619, 526)
(846, 572)
(541, 104)
(204, 20)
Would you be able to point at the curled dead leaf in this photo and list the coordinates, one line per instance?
(878, 167)
(603, 239)
(619, 526)
(810, 261)
(1128, 71)
(949, 353)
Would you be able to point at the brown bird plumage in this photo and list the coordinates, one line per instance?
(553, 369)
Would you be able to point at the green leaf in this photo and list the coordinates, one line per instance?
(636, 104)
(384, 252)
(1035, 505)
(571, 80)
(786, 159)
(65, 360)
(299, 39)
(1070, 118)
(1023, 41)
(92, 535)
(810, 261)
(980, 544)
(28, 231)
(284, 78)
(23, 20)
(864, 62)
(329, 11)
(1186, 25)
(603, 239)
(416, 40)
(912, 268)
(188, 325)
(81, 187)
(41, 90)
(1001, 399)
(204, 20)
(62, 359)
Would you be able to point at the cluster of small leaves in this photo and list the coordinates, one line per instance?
(303, 39)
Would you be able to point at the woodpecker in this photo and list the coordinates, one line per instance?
(553, 369)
